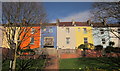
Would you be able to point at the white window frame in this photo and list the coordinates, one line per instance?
(67, 40)
(85, 41)
(103, 41)
(32, 30)
(32, 42)
(67, 30)
(85, 30)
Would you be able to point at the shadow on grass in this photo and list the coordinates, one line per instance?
(90, 63)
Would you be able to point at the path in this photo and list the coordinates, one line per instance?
(52, 64)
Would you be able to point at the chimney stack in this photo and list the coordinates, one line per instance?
(89, 22)
(104, 22)
(57, 22)
(73, 22)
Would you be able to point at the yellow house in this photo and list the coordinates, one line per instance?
(83, 33)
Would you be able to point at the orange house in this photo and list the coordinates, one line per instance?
(30, 37)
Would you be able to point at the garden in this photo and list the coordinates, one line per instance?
(90, 64)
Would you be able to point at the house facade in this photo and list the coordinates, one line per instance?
(72, 34)
(83, 33)
(115, 34)
(49, 35)
(31, 37)
(100, 34)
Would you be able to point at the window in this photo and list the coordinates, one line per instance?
(25, 29)
(118, 31)
(50, 30)
(103, 41)
(78, 29)
(85, 30)
(32, 40)
(44, 29)
(48, 41)
(67, 30)
(102, 31)
(85, 40)
(33, 30)
(67, 40)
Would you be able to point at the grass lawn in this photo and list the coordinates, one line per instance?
(83, 63)
(31, 64)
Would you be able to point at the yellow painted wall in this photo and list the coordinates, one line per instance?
(80, 35)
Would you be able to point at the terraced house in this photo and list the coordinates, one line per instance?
(72, 34)
(115, 34)
(49, 35)
(100, 34)
(31, 36)
(104, 33)
(28, 36)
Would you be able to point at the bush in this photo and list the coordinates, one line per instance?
(111, 43)
(27, 51)
(86, 46)
(109, 49)
(98, 47)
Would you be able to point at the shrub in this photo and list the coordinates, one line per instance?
(98, 47)
(111, 43)
(109, 49)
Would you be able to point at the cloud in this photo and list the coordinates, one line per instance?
(81, 17)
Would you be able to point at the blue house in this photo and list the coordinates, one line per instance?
(49, 36)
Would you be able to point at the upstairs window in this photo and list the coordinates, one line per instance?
(32, 40)
(103, 41)
(25, 29)
(85, 40)
(67, 30)
(68, 40)
(102, 31)
(85, 30)
(44, 29)
(50, 30)
(32, 31)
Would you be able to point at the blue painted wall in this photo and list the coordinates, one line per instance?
(49, 34)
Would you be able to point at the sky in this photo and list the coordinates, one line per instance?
(68, 11)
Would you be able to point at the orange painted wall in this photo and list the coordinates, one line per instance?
(27, 37)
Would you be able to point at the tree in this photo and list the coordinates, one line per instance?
(108, 10)
(17, 18)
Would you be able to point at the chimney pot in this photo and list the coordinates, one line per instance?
(57, 22)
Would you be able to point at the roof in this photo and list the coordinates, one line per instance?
(75, 24)
(68, 24)
(107, 25)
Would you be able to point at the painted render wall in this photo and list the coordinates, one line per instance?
(48, 34)
(62, 35)
(35, 35)
(113, 37)
(97, 36)
(80, 35)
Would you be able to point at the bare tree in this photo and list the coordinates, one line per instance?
(108, 10)
(18, 19)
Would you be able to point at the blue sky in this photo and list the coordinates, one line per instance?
(66, 11)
